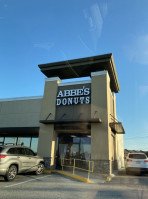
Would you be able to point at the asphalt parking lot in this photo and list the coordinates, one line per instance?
(55, 186)
(45, 186)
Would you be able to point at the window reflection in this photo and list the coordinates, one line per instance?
(1, 140)
(24, 141)
(34, 144)
(31, 142)
(76, 140)
(85, 148)
(74, 147)
(10, 140)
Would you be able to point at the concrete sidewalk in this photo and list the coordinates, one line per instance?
(93, 177)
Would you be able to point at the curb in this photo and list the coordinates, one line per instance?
(69, 175)
(108, 179)
(47, 171)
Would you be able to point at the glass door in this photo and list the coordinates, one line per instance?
(70, 146)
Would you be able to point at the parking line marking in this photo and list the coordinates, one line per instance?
(25, 181)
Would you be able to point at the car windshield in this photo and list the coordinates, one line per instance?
(137, 156)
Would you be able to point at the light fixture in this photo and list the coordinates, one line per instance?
(89, 136)
(73, 136)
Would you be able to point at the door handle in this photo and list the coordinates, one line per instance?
(18, 156)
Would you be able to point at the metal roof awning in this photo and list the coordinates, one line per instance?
(97, 120)
(19, 131)
(83, 67)
(117, 127)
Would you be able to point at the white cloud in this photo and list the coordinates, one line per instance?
(143, 90)
(104, 9)
(138, 49)
(91, 22)
(95, 20)
(85, 14)
(44, 45)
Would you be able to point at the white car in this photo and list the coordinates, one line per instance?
(19, 159)
(137, 162)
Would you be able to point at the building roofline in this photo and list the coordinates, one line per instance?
(20, 98)
(83, 67)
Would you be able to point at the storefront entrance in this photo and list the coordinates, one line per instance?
(77, 146)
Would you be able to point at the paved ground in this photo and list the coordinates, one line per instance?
(55, 186)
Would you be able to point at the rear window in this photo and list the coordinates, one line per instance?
(1, 148)
(137, 156)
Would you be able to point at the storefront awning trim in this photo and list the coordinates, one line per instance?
(117, 127)
(19, 131)
(98, 120)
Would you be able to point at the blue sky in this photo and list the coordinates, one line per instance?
(34, 32)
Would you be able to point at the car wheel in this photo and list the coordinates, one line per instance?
(40, 169)
(11, 173)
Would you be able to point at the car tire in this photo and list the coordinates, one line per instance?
(40, 169)
(11, 173)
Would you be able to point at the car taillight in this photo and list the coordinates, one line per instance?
(129, 160)
(145, 160)
(2, 156)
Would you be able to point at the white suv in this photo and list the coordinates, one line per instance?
(18, 159)
(136, 162)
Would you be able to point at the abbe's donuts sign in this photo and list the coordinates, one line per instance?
(73, 96)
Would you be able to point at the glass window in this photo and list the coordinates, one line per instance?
(29, 152)
(76, 140)
(24, 141)
(137, 156)
(75, 150)
(21, 151)
(57, 144)
(85, 148)
(85, 140)
(1, 140)
(34, 144)
(12, 151)
(63, 149)
(78, 147)
(10, 140)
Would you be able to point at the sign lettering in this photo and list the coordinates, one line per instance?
(73, 96)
